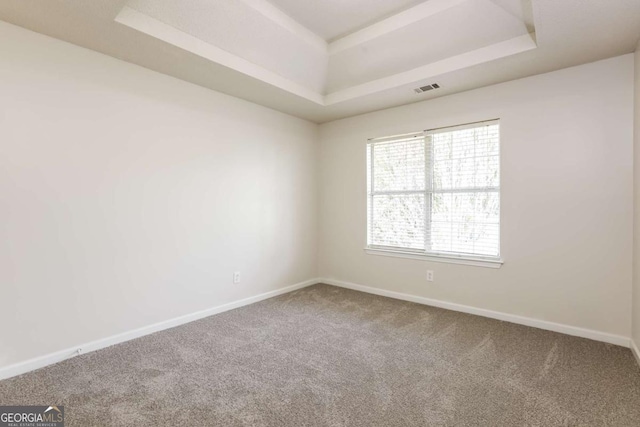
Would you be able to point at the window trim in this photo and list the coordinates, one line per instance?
(425, 255)
(435, 257)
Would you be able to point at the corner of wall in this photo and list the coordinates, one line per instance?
(635, 351)
(316, 197)
(635, 300)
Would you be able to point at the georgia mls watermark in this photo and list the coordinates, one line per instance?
(31, 416)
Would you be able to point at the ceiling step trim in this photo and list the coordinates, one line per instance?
(428, 72)
(393, 23)
(152, 27)
(285, 21)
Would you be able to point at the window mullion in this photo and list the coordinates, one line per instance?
(371, 183)
(428, 193)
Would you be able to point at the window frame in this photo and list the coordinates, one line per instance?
(428, 192)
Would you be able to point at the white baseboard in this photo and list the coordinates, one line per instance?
(635, 351)
(521, 320)
(49, 359)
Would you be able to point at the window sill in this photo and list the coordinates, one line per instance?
(476, 262)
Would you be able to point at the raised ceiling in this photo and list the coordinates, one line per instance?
(331, 19)
(324, 60)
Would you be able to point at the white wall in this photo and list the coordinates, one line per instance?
(636, 225)
(567, 210)
(128, 197)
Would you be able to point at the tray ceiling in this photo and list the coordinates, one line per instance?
(331, 19)
(335, 58)
(268, 44)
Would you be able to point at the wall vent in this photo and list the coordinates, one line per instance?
(427, 87)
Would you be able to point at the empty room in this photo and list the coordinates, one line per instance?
(288, 213)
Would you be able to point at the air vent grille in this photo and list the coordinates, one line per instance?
(427, 88)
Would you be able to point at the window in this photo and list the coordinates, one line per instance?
(436, 193)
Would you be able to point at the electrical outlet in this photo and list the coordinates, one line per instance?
(236, 277)
(429, 275)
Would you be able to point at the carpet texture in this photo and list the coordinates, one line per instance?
(326, 356)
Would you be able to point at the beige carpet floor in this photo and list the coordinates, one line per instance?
(325, 356)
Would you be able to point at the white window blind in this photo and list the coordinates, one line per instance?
(436, 192)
